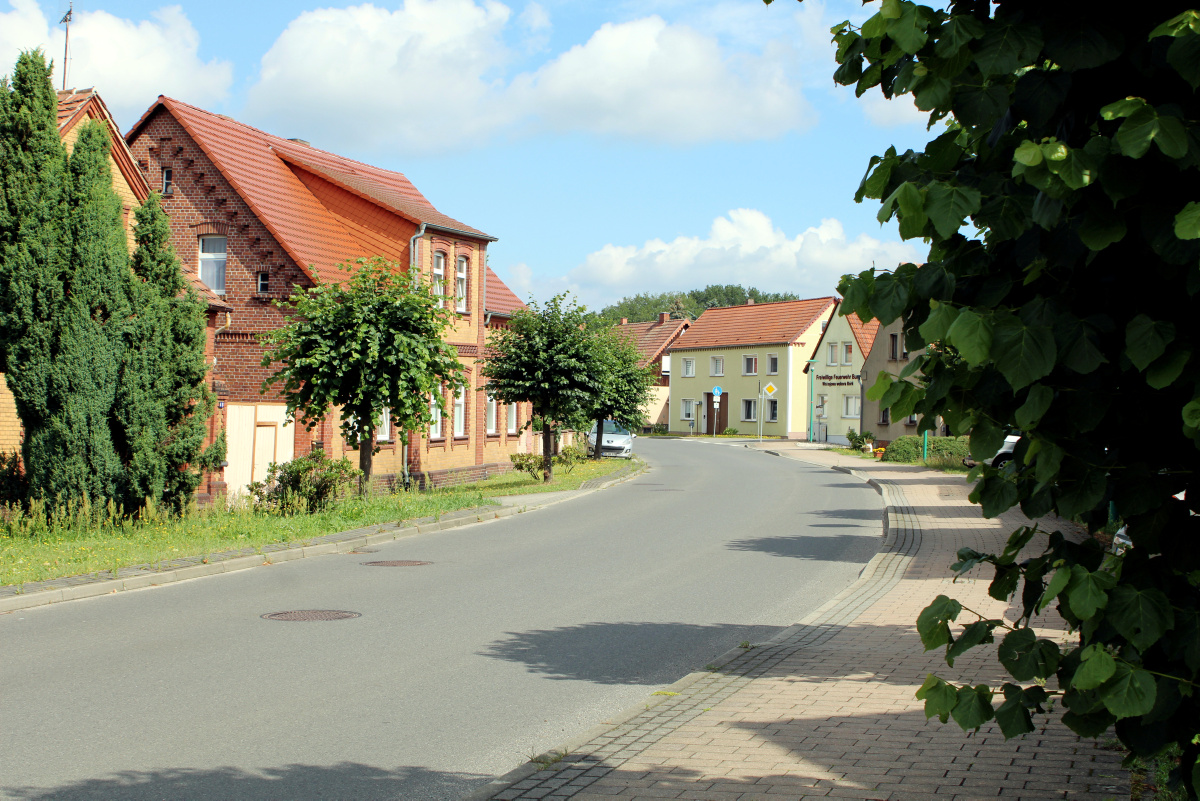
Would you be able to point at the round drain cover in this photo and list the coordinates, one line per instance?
(311, 614)
(396, 563)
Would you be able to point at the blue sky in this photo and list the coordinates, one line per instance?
(613, 148)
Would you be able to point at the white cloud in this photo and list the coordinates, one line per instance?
(744, 247)
(129, 62)
(893, 113)
(431, 76)
(519, 278)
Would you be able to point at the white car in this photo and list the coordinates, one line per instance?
(618, 441)
(1005, 454)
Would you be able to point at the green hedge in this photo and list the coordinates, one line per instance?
(908, 448)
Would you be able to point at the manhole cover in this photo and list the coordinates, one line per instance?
(396, 563)
(311, 614)
(364, 550)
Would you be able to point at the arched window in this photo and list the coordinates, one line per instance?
(460, 285)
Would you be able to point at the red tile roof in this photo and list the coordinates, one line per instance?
(215, 302)
(499, 298)
(864, 333)
(755, 324)
(654, 337)
(268, 172)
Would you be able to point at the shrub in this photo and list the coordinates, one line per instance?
(308, 484)
(729, 432)
(658, 428)
(858, 440)
(904, 449)
(14, 487)
(954, 448)
(530, 463)
(571, 456)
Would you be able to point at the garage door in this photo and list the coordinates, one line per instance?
(257, 435)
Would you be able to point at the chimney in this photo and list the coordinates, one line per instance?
(749, 301)
(624, 321)
(662, 318)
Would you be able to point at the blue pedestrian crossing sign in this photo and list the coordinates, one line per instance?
(717, 392)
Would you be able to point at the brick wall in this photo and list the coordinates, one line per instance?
(11, 433)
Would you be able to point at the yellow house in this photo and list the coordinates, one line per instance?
(835, 375)
(725, 366)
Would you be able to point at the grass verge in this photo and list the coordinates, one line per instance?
(522, 483)
(944, 464)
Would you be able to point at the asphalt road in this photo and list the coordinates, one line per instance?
(521, 633)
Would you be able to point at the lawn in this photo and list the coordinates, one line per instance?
(93, 540)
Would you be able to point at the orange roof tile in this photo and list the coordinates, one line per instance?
(755, 324)
(211, 298)
(864, 333)
(265, 170)
(653, 338)
(499, 298)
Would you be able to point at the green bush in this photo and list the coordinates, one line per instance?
(904, 449)
(857, 440)
(306, 484)
(14, 487)
(949, 447)
(571, 456)
(729, 432)
(530, 463)
(658, 428)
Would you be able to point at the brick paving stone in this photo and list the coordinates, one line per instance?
(828, 707)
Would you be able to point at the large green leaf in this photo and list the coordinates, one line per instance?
(939, 697)
(1013, 715)
(1145, 126)
(1079, 47)
(1057, 584)
(1184, 56)
(1129, 693)
(972, 635)
(1036, 404)
(909, 29)
(1141, 616)
(958, 31)
(1147, 339)
(1023, 353)
(1097, 667)
(1187, 221)
(883, 382)
(941, 317)
(1163, 372)
(1087, 592)
(1191, 413)
(986, 439)
(1026, 657)
(890, 297)
(948, 205)
(973, 708)
(1005, 48)
(971, 335)
(933, 624)
(996, 494)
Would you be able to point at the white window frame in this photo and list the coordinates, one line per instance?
(168, 181)
(772, 410)
(822, 406)
(851, 402)
(752, 405)
(263, 282)
(833, 353)
(435, 425)
(384, 432)
(689, 368)
(749, 360)
(773, 370)
(460, 284)
(439, 273)
(911, 420)
(716, 365)
(209, 272)
(512, 418)
(847, 353)
(492, 427)
(460, 413)
(687, 409)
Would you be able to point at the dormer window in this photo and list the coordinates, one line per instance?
(168, 182)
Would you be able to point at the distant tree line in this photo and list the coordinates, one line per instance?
(643, 308)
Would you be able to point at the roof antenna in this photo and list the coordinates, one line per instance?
(66, 20)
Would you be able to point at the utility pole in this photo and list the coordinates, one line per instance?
(66, 20)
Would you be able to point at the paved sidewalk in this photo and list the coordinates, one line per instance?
(827, 708)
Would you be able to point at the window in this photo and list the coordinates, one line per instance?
(264, 283)
(749, 365)
(772, 410)
(885, 417)
(384, 432)
(460, 285)
(850, 407)
(847, 353)
(460, 414)
(911, 420)
(687, 409)
(512, 418)
(491, 415)
(772, 364)
(833, 351)
(435, 427)
(168, 183)
(822, 400)
(824, 325)
(716, 365)
(212, 263)
(439, 273)
(894, 347)
(749, 410)
(689, 368)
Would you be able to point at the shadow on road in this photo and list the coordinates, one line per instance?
(852, 548)
(621, 653)
(346, 780)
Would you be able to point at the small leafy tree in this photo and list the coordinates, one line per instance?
(1071, 144)
(543, 358)
(622, 384)
(370, 343)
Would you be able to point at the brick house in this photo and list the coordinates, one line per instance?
(255, 215)
(76, 106)
(654, 340)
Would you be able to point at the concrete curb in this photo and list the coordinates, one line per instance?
(877, 577)
(340, 542)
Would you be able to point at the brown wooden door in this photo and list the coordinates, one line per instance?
(716, 420)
